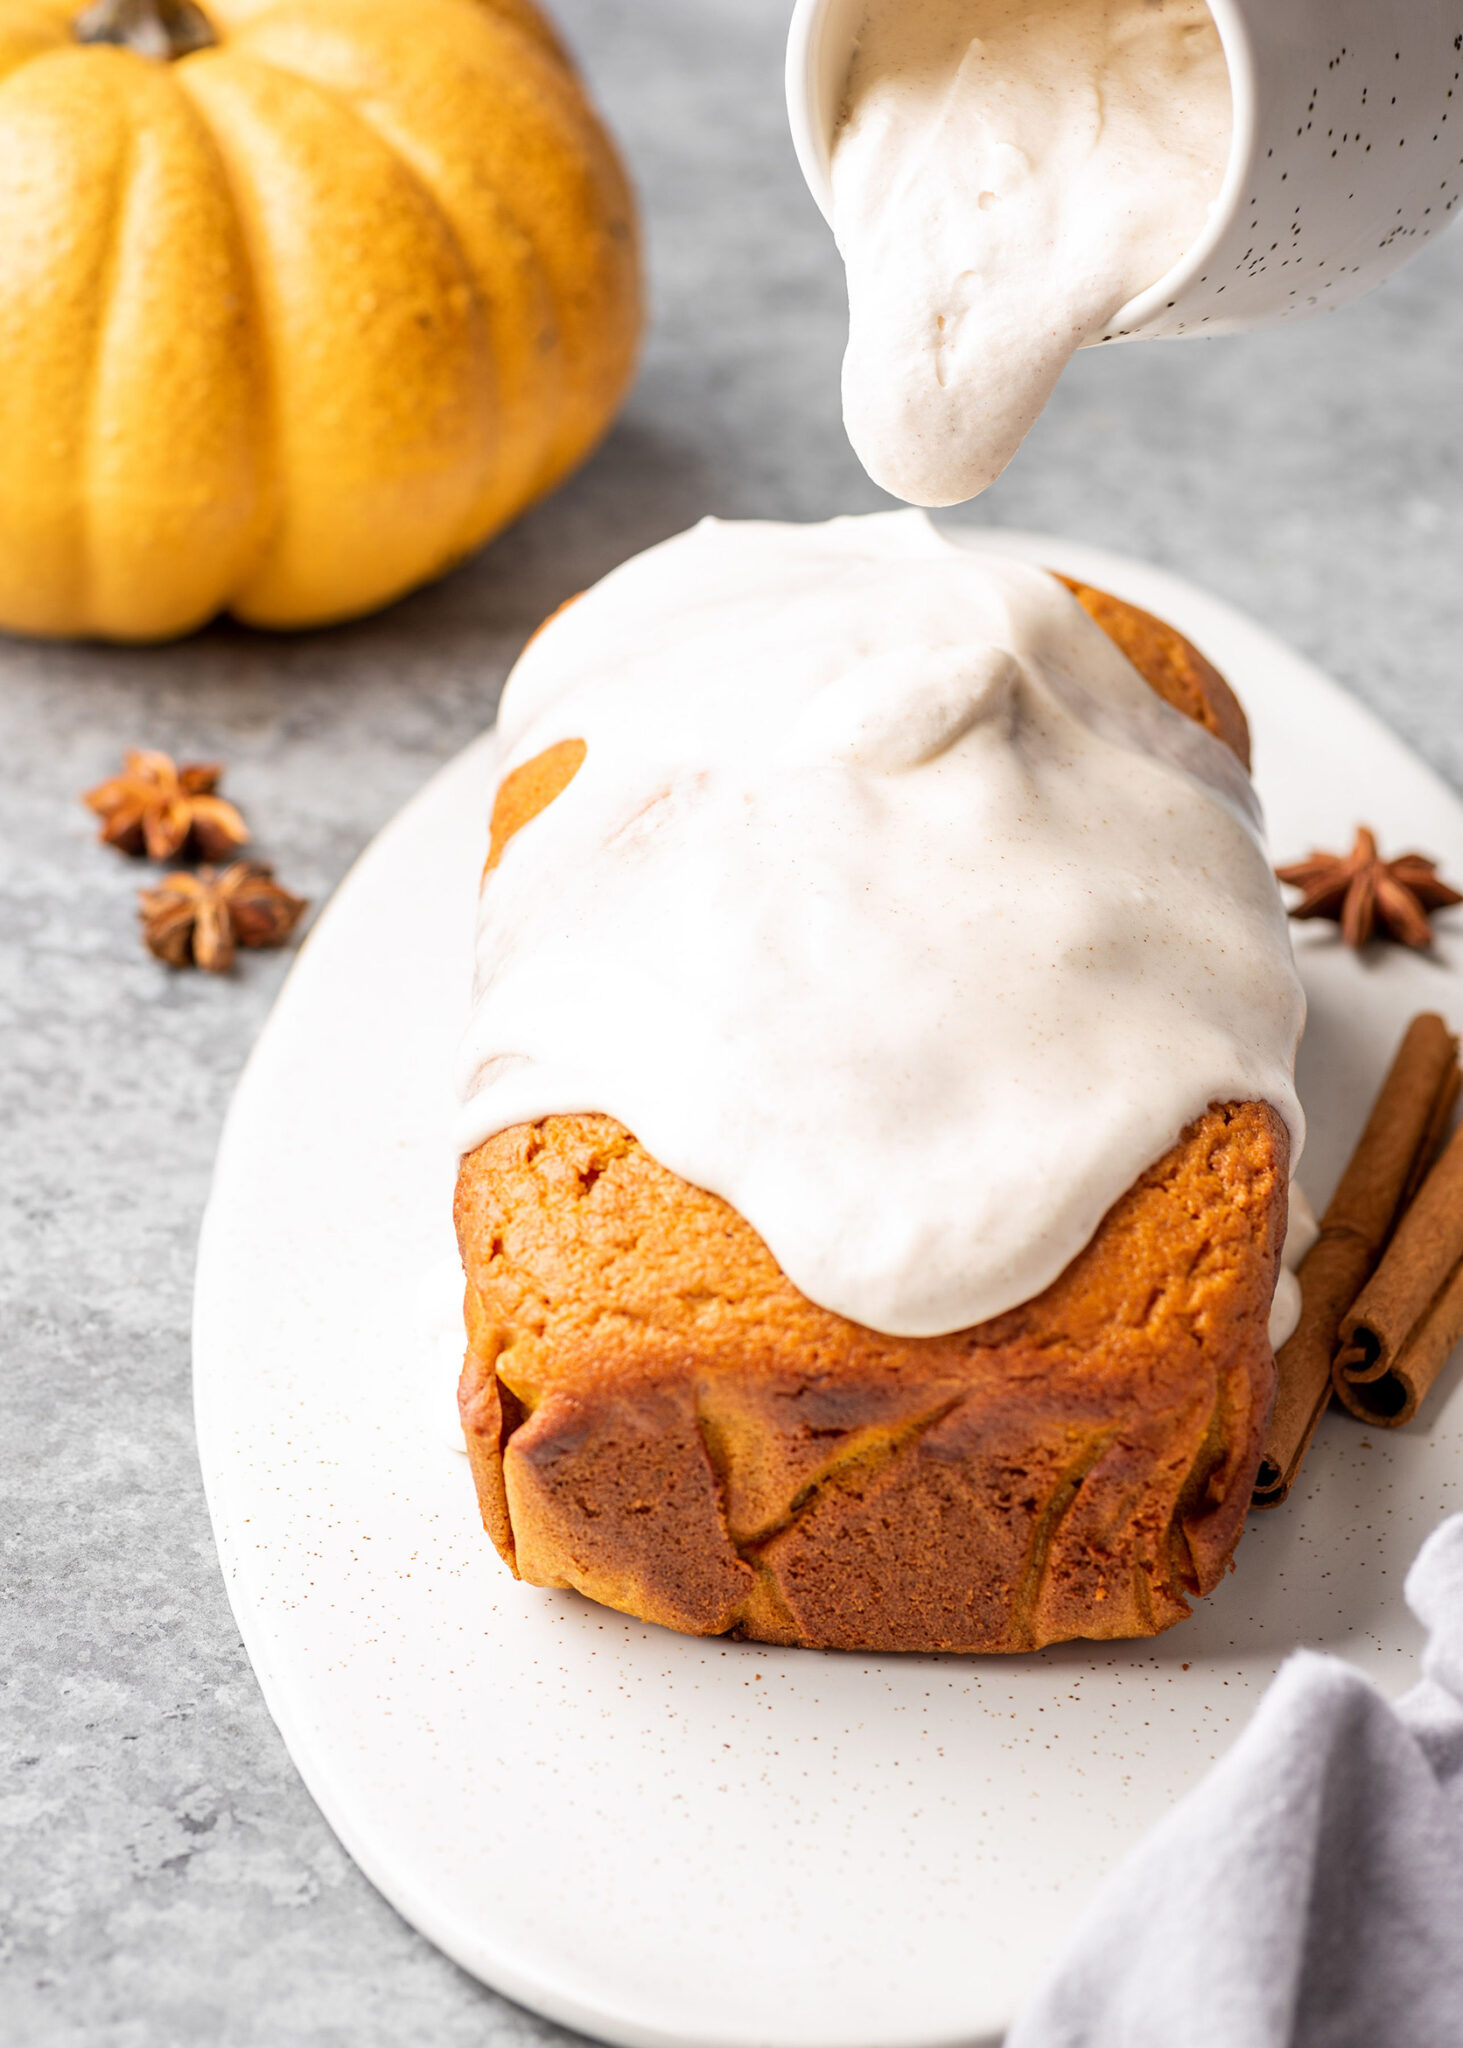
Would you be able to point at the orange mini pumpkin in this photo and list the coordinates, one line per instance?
(299, 315)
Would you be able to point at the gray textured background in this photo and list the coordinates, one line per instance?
(163, 1876)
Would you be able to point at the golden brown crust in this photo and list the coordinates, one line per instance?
(1169, 664)
(526, 791)
(692, 1440)
(656, 1417)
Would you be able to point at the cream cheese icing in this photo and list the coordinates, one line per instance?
(889, 903)
(1007, 174)
(1301, 1232)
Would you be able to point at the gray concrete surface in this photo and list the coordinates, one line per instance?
(163, 1876)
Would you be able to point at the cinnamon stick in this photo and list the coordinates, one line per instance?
(1401, 1331)
(1407, 1123)
(1433, 1138)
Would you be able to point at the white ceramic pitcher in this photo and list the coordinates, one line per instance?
(1347, 153)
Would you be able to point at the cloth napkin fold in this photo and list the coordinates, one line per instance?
(1309, 1892)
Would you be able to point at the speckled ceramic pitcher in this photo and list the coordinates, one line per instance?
(1347, 153)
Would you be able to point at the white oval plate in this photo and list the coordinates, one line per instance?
(664, 1840)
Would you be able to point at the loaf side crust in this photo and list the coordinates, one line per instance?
(659, 1419)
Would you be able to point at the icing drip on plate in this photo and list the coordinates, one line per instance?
(1302, 1230)
(889, 903)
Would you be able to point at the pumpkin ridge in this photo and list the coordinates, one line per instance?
(271, 467)
(499, 495)
(404, 163)
(266, 105)
(568, 122)
(174, 472)
(566, 99)
(106, 299)
(539, 477)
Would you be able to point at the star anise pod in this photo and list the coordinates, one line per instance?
(155, 807)
(1368, 896)
(198, 920)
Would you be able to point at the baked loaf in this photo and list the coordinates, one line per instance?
(657, 1418)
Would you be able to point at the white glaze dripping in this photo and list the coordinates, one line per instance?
(889, 903)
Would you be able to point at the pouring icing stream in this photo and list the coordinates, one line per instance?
(1008, 173)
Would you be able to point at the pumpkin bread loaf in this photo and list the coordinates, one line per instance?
(657, 1418)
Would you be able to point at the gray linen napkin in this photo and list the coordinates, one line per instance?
(1309, 1893)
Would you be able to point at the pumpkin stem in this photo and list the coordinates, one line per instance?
(160, 29)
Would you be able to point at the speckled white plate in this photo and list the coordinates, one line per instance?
(662, 1840)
